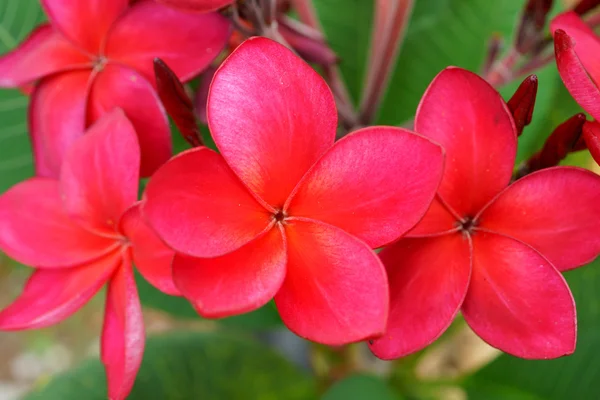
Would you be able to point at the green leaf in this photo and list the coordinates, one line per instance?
(360, 387)
(183, 366)
(571, 377)
(17, 19)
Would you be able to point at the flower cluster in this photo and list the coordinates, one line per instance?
(283, 210)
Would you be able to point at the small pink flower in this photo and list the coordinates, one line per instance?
(284, 212)
(81, 232)
(490, 249)
(95, 55)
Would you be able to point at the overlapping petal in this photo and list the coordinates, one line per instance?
(375, 184)
(119, 86)
(151, 256)
(37, 231)
(85, 22)
(100, 173)
(123, 335)
(44, 52)
(428, 279)
(517, 301)
(464, 114)
(335, 290)
(57, 118)
(274, 120)
(50, 296)
(438, 220)
(187, 42)
(199, 207)
(197, 5)
(238, 282)
(555, 210)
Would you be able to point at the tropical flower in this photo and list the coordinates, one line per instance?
(95, 55)
(80, 232)
(490, 249)
(197, 5)
(284, 212)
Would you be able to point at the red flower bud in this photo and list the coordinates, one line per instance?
(521, 104)
(530, 31)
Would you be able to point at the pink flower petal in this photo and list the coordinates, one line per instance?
(44, 52)
(100, 173)
(517, 301)
(438, 220)
(118, 86)
(186, 42)
(591, 135)
(37, 231)
(428, 282)
(57, 118)
(573, 73)
(464, 114)
(151, 256)
(238, 282)
(335, 291)
(375, 184)
(51, 296)
(123, 334)
(271, 115)
(555, 210)
(197, 5)
(199, 207)
(85, 22)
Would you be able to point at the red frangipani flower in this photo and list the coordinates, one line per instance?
(486, 248)
(95, 55)
(81, 232)
(283, 211)
(197, 5)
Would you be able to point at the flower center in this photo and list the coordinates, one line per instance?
(99, 63)
(279, 216)
(467, 225)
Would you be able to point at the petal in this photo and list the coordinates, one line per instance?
(123, 334)
(188, 43)
(555, 210)
(151, 256)
(271, 115)
(428, 278)
(100, 173)
(44, 52)
(57, 118)
(464, 114)
(51, 296)
(197, 5)
(37, 231)
(438, 220)
(235, 283)
(375, 184)
(118, 86)
(200, 208)
(591, 135)
(574, 75)
(335, 291)
(85, 22)
(517, 301)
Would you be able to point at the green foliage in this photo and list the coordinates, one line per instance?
(360, 387)
(183, 366)
(574, 377)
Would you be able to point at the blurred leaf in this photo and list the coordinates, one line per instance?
(17, 19)
(266, 317)
(360, 387)
(571, 377)
(183, 366)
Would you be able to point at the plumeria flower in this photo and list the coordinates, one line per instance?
(577, 50)
(284, 212)
(83, 231)
(490, 249)
(95, 55)
(197, 5)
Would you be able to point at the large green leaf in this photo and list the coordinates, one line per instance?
(17, 19)
(572, 377)
(183, 366)
(360, 387)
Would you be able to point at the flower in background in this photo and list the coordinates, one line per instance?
(490, 249)
(284, 212)
(96, 55)
(81, 232)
